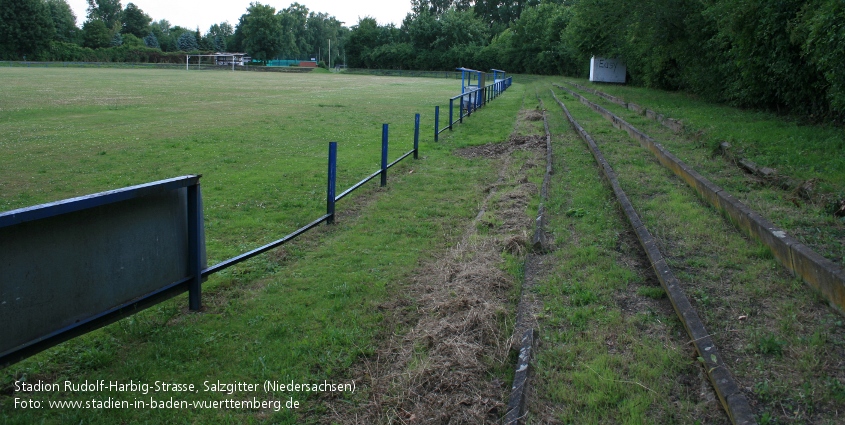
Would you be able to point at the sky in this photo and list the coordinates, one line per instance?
(204, 13)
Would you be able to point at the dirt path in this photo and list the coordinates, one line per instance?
(446, 352)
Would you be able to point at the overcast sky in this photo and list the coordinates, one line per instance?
(204, 13)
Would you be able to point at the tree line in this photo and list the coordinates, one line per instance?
(783, 55)
(46, 30)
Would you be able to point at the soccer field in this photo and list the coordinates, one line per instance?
(258, 139)
(304, 313)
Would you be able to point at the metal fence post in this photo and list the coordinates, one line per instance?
(416, 136)
(436, 123)
(194, 245)
(332, 178)
(384, 155)
(451, 107)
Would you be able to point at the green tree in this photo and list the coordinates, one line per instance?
(95, 34)
(781, 55)
(393, 56)
(151, 41)
(218, 35)
(132, 41)
(423, 30)
(261, 31)
(763, 66)
(535, 46)
(363, 39)
(135, 21)
(294, 35)
(63, 20)
(175, 32)
(187, 42)
(499, 14)
(820, 33)
(108, 11)
(446, 41)
(117, 40)
(460, 27)
(499, 53)
(320, 28)
(26, 29)
(596, 28)
(162, 31)
(438, 7)
(204, 43)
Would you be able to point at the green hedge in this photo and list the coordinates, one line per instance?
(69, 52)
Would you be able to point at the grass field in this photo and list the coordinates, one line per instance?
(345, 298)
(259, 140)
(302, 313)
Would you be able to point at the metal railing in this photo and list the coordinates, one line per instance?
(468, 103)
(197, 274)
(331, 198)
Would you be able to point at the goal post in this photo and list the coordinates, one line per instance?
(232, 58)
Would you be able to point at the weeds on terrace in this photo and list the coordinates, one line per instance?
(805, 195)
(611, 350)
(768, 325)
(771, 344)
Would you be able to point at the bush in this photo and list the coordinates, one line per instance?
(131, 40)
(69, 52)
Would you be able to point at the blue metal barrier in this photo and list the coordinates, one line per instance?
(437, 123)
(37, 340)
(469, 102)
(330, 204)
(195, 234)
(49, 286)
(332, 180)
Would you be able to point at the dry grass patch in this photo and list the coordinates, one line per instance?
(450, 330)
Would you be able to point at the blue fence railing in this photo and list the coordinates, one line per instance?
(468, 103)
(331, 198)
(196, 246)
(197, 272)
